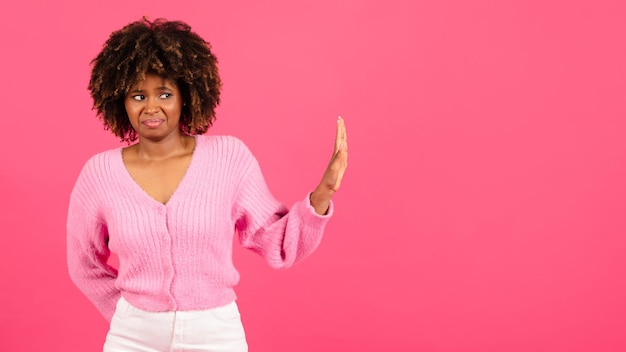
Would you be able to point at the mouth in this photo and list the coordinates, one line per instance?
(152, 123)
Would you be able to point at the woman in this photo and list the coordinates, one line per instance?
(169, 204)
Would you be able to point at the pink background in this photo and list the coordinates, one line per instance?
(483, 208)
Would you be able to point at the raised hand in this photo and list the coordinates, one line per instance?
(331, 180)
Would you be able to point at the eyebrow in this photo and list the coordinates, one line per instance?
(156, 89)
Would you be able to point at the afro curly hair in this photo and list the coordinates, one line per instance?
(167, 48)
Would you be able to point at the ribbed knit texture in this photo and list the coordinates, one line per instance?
(178, 256)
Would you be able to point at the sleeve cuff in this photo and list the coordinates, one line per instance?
(309, 211)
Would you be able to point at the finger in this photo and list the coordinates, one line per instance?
(344, 137)
(339, 135)
(338, 164)
(338, 177)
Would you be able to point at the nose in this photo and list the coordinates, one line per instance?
(152, 106)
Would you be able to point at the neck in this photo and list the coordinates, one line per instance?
(173, 145)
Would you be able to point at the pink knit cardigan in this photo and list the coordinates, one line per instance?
(178, 256)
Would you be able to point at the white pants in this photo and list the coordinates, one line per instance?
(135, 330)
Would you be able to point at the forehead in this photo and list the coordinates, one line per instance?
(151, 81)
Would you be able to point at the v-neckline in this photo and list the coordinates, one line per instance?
(181, 183)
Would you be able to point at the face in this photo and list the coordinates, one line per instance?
(154, 106)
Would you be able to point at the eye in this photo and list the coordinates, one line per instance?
(165, 95)
(138, 97)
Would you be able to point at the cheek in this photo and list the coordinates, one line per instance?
(132, 115)
(131, 110)
(175, 110)
(127, 107)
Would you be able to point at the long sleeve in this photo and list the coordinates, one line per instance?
(178, 256)
(281, 236)
(87, 254)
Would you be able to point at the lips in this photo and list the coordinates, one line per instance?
(153, 123)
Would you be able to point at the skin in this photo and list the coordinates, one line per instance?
(162, 155)
(159, 160)
(331, 179)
